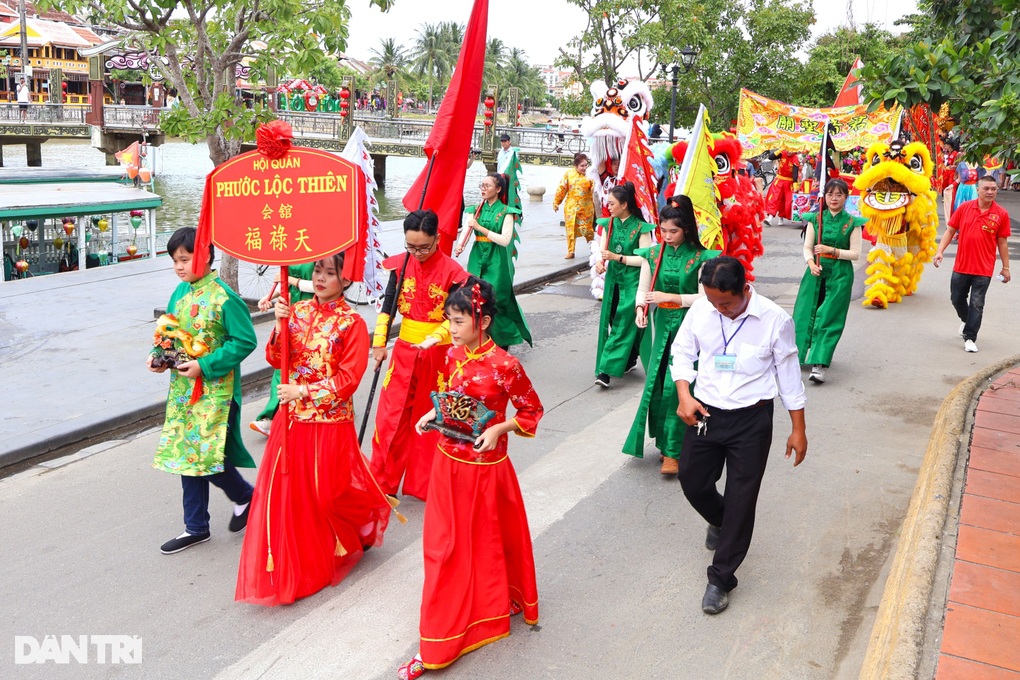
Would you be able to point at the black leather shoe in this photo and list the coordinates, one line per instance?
(712, 537)
(715, 600)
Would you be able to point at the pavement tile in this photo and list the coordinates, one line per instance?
(981, 635)
(991, 548)
(993, 485)
(976, 585)
(995, 404)
(955, 668)
(1003, 462)
(990, 513)
(997, 421)
(994, 439)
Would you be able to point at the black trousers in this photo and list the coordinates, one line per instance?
(739, 440)
(967, 292)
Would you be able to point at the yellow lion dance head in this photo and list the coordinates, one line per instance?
(898, 200)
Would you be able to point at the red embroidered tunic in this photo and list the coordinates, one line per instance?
(496, 378)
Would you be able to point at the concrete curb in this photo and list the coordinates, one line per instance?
(894, 650)
(76, 435)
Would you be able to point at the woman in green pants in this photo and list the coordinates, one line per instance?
(492, 258)
(669, 280)
(832, 242)
(300, 288)
(620, 340)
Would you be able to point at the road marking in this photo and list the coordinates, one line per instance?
(369, 629)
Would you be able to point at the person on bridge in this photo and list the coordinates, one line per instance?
(317, 508)
(201, 438)
(742, 345)
(479, 564)
(984, 228)
(417, 364)
(623, 233)
(579, 210)
(832, 242)
(493, 255)
(669, 280)
(24, 98)
(301, 288)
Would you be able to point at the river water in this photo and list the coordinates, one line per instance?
(180, 170)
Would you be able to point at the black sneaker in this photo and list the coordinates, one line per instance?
(238, 522)
(183, 542)
(602, 380)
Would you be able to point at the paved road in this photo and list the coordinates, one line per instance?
(619, 552)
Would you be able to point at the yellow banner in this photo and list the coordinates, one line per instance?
(765, 124)
(697, 182)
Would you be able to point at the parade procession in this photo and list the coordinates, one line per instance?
(452, 329)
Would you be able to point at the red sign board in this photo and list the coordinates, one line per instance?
(299, 208)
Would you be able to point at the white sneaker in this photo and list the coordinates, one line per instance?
(969, 346)
(261, 426)
(817, 374)
(962, 326)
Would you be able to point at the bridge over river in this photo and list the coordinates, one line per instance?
(387, 136)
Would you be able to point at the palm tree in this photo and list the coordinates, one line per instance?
(433, 60)
(495, 56)
(517, 72)
(388, 61)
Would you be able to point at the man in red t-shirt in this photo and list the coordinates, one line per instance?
(983, 226)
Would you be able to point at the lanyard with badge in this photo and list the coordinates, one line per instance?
(727, 362)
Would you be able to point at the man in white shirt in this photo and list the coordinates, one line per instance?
(747, 355)
(24, 98)
(505, 154)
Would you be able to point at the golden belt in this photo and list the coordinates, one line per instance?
(669, 305)
(482, 239)
(413, 332)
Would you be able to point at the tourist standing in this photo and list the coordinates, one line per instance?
(493, 255)
(201, 438)
(746, 355)
(24, 98)
(579, 210)
(316, 508)
(832, 241)
(669, 281)
(983, 226)
(417, 365)
(623, 233)
(479, 565)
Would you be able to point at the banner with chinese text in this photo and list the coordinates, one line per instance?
(765, 124)
(299, 208)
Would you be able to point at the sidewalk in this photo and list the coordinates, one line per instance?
(981, 631)
(73, 345)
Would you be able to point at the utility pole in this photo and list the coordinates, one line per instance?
(26, 68)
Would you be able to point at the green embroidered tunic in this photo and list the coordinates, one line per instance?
(195, 439)
(495, 264)
(619, 340)
(819, 314)
(678, 275)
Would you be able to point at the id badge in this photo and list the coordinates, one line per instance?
(725, 362)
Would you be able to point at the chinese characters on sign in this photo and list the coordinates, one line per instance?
(299, 208)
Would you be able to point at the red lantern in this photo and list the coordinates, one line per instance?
(21, 266)
(24, 242)
(345, 94)
(489, 101)
(68, 228)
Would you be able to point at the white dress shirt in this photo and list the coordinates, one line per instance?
(765, 349)
(503, 159)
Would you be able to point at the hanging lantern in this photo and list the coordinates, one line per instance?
(23, 242)
(132, 249)
(137, 213)
(58, 243)
(95, 220)
(132, 171)
(21, 266)
(16, 230)
(88, 236)
(68, 228)
(32, 224)
(136, 221)
(144, 174)
(103, 225)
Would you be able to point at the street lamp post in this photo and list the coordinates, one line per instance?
(687, 57)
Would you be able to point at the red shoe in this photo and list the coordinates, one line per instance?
(411, 670)
(515, 608)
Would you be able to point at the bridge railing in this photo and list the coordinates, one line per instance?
(131, 117)
(43, 114)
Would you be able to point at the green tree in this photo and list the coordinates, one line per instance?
(388, 61)
(204, 41)
(495, 58)
(831, 57)
(433, 60)
(974, 67)
(517, 72)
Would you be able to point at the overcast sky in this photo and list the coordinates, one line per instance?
(541, 27)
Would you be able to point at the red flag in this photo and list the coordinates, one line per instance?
(850, 93)
(129, 156)
(449, 143)
(637, 169)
